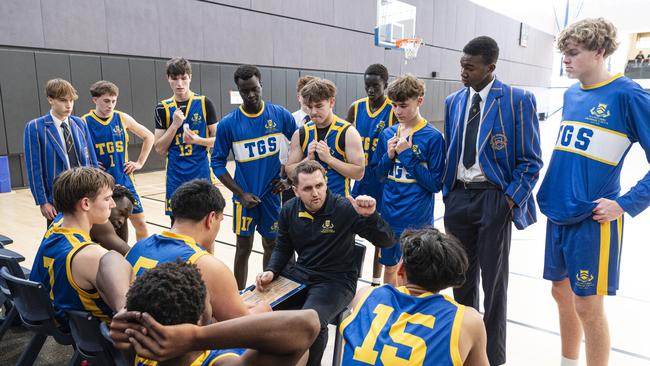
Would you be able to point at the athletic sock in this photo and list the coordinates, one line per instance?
(568, 362)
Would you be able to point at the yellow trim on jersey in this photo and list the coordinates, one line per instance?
(205, 116)
(401, 180)
(586, 155)
(390, 118)
(189, 103)
(596, 127)
(602, 83)
(241, 108)
(238, 217)
(355, 311)
(221, 356)
(305, 215)
(93, 114)
(356, 110)
(257, 138)
(603, 258)
(454, 349)
(260, 157)
(379, 110)
(187, 239)
(87, 298)
(420, 125)
(406, 291)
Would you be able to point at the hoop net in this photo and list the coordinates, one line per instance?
(410, 47)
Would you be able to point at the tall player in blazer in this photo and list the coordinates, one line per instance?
(55, 142)
(493, 163)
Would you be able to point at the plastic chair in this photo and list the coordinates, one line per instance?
(33, 304)
(359, 256)
(10, 260)
(5, 240)
(90, 342)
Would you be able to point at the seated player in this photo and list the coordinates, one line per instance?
(410, 160)
(198, 211)
(328, 139)
(186, 300)
(113, 234)
(68, 262)
(108, 128)
(413, 324)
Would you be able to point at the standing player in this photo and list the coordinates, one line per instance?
(441, 332)
(108, 128)
(370, 116)
(253, 132)
(184, 126)
(326, 138)
(410, 159)
(55, 142)
(603, 116)
(301, 116)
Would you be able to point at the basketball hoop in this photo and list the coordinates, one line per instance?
(410, 46)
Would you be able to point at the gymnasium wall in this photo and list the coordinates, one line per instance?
(128, 42)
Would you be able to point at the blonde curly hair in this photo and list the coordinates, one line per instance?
(592, 33)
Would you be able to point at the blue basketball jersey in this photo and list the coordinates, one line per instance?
(370, 126)
(207, 358)
(111, 147)
(162, 248)
(186, 161)
(255, 141)
(52, 266)
(336, 182)
(391, 327)
(410, 185)
(599, 125)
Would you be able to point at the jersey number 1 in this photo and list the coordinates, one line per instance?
(397, 333)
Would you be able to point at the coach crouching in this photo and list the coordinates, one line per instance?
(320, 226)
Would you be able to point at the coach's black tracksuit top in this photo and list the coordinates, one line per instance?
(324, 240)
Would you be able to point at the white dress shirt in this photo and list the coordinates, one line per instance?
(474, 173)
(57, 123)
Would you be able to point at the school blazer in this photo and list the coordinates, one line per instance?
(45, 156)
(509, 151)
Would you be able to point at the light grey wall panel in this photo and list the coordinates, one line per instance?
(358, 15)
(18, 89)
(279, 87)
(180, 35)
(81, 29)
(311, 11)
(20, 23)
(211, 85)
(116, 70)
(288, 43)
(133, 27)
(221, 25)
(240, 3)
(292, 79)
(143, 92)
(84, 71)
(51, 65)
(256, 36)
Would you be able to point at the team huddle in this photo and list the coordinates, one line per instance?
(374, 175)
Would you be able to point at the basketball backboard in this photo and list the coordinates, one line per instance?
(395, 20)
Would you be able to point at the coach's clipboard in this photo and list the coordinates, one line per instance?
(277, 292)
